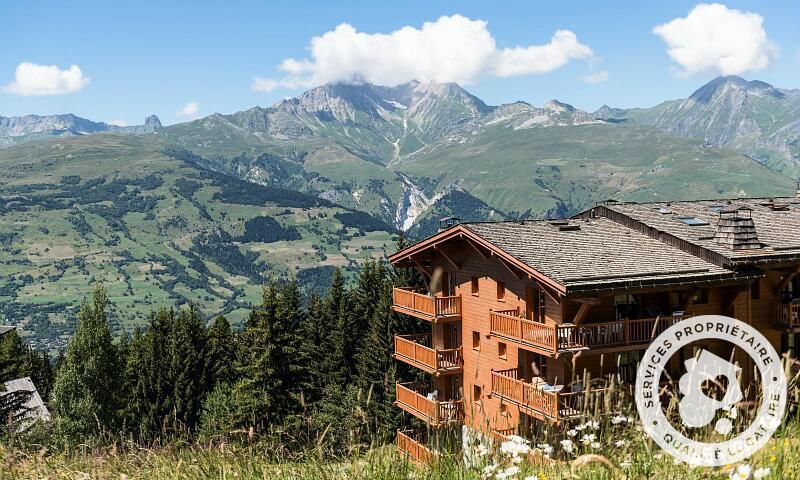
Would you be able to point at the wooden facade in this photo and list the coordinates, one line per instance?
(510, 345)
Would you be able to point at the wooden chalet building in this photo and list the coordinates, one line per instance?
(522, 311)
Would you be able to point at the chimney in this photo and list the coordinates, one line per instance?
(447, 222)
(736, 229)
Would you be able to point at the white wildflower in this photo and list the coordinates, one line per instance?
(546, 448)
(481, 450)
(567, 445)
(507, 473)
(658, 456)
(620, 443)
(595, 445)
(594, 424)
(617, 419)
(515, 446)
(581, 427)
(572, 432)
(741, 472)
(488, 470)
(625, 465)
(760, 473)
(588, 438)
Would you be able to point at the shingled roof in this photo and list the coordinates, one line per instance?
(5, 329)
(776, 220)
(587, 254)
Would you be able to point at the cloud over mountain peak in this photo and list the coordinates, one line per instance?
(450, 49)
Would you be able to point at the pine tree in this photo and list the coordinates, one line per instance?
(221, 352)
(364, 301)
(85, 392)
(375, 368)
(14, 361)
(315, 337)
(188, 375)
(269, 360)
(148, 366)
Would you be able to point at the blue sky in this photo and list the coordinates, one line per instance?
(156, 57)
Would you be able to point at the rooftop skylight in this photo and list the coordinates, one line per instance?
(693, 221)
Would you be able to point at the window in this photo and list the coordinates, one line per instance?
(702, 297)
(474, 283)
(502, 350)
(501, 292)
(755, 289)
(477, 393)
(476, 340)
(504, 410)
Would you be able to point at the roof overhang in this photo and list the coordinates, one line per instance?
(460, 232)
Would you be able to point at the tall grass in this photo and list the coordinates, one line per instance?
(606, 444)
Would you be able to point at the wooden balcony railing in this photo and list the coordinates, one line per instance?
(415, 350)
(559, 338)
(507, 385)
(545, 405)
(527, 331)
(414, 399)
(614, 334)
(426, 307)
(789, 315)
(411, 443)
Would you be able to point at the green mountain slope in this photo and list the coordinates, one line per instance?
(752, 117)
(559, 170)
(397, 152)
(157, 229)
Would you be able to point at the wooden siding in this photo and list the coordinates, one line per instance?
(606, 341)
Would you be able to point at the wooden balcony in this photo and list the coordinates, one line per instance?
(411, 444)
(415, 399)
(552, 339)
(544, 405)
(426, 307)
(789, 315)
(415, 350)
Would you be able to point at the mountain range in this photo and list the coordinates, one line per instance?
(32, 127)
(204, 211)
(751, 117)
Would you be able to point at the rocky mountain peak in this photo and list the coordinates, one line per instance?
(152, 123)
(558, 106)
(728, 83)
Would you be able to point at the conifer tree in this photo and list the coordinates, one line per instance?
(364, 301)
(269, 361)
(85, 392)
(375, 367)
(13, 355)
(334, 320)
(221, 352)
(188, 375)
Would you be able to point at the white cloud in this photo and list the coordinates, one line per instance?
(189, 110)
(596, 77)
(718, 39)
(118, 122)
(451, 49)
(31, 79)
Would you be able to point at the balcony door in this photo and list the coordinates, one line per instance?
(534, 304)
(448, 284)
(452, 335)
